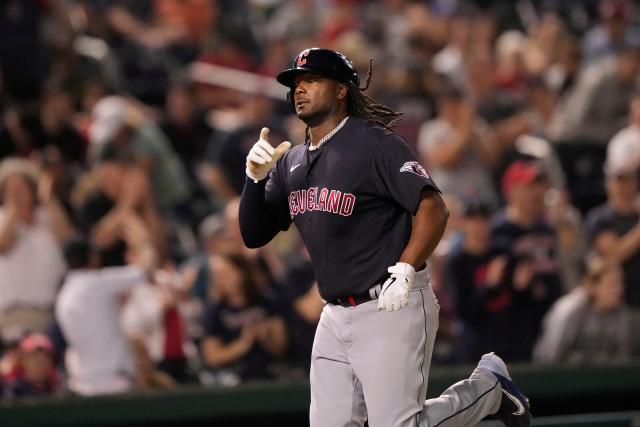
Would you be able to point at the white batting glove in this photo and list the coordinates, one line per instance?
(263, 156)
(394, 294)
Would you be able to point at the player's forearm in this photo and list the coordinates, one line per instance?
(427, 229)
(257, 225)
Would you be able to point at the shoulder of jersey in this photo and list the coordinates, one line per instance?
(372, 130)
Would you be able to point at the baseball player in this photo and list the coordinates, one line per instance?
(370, 217)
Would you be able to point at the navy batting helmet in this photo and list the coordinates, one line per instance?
(326, 62)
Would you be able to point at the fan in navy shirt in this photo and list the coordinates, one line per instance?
(474, 274)
(520, 232)
(243, 330)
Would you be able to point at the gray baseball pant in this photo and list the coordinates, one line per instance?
(370, 364)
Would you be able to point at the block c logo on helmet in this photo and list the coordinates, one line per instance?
(302, 58)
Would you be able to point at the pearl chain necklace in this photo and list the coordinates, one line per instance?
(329, 135)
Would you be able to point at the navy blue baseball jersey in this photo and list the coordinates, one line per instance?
(352, 200)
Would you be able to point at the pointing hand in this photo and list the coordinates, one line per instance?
(263, 156)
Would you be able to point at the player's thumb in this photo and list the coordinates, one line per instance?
(264, 134)
(280, 150)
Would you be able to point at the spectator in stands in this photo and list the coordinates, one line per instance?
(38, 375)
(474, 276)
(152, 39)
(25, 131)
(152, 316)
(185, 126)
(107, 195)
(521, 233)
(608, 36)
(304, 306)
(55, 126)
(491, 102)
(597, 106)
(614, 228)
(117, 121)
(244, 332)
(449, 61)
(195, 270)
(592, 324)
(32, 225)
(98, 358)
(459, 148)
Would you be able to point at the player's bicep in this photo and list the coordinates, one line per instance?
(397, 173)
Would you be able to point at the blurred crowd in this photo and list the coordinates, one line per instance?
(121, 262)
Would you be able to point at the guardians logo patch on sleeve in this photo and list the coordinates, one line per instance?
(414, 167)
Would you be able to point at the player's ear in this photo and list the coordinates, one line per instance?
(342, 90)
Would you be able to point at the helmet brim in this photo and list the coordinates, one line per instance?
(287, 77)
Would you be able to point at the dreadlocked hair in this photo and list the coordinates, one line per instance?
(367, 108)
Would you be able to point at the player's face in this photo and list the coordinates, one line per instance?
(316, 98)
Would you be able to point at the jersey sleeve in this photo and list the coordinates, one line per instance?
(264, 210)
(397, 174)
(276, 196)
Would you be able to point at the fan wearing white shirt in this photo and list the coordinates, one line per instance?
(32, 225)
(99, 359)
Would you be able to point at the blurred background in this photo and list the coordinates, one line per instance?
(126, 294)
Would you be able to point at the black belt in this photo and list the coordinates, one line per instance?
(353, 300)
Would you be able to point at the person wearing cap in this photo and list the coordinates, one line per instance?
(614, 227)
(195, 269)
(522, 235)
(38, 375)
(116, 120)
